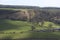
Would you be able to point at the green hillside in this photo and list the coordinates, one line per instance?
(16, 22)
(13, 29)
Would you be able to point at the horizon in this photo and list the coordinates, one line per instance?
(29, 5)
(39, 3)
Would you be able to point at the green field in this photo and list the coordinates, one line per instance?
(15, 29)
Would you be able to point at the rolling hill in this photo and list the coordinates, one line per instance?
(16, 22)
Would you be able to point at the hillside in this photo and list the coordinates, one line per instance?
(13, 29)
(31, 13)
(16, 14)
(17, 22)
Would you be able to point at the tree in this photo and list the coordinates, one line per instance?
(50, 26)
(32, 27)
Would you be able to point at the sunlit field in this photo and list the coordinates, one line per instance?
(15, 29)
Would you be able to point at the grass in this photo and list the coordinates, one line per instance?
(8, 26)
(53, 24)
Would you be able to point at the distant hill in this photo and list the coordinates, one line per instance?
(19, 7)
(50, 7)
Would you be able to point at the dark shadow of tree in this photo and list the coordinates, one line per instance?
(6, 38)
(39, 36)
(43, 36)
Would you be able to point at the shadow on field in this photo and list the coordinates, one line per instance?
(43, 36)
(6, 38)
(4, 25)
(38, 36)
(47, 36)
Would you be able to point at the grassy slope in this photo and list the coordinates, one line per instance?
(8, 26)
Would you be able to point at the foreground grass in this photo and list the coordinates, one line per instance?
(22, 30)
(32, 35)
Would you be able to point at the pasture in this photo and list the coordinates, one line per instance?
(14, 29)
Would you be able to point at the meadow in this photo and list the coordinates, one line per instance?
(16, 29)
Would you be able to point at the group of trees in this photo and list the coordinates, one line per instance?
(46, 15)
